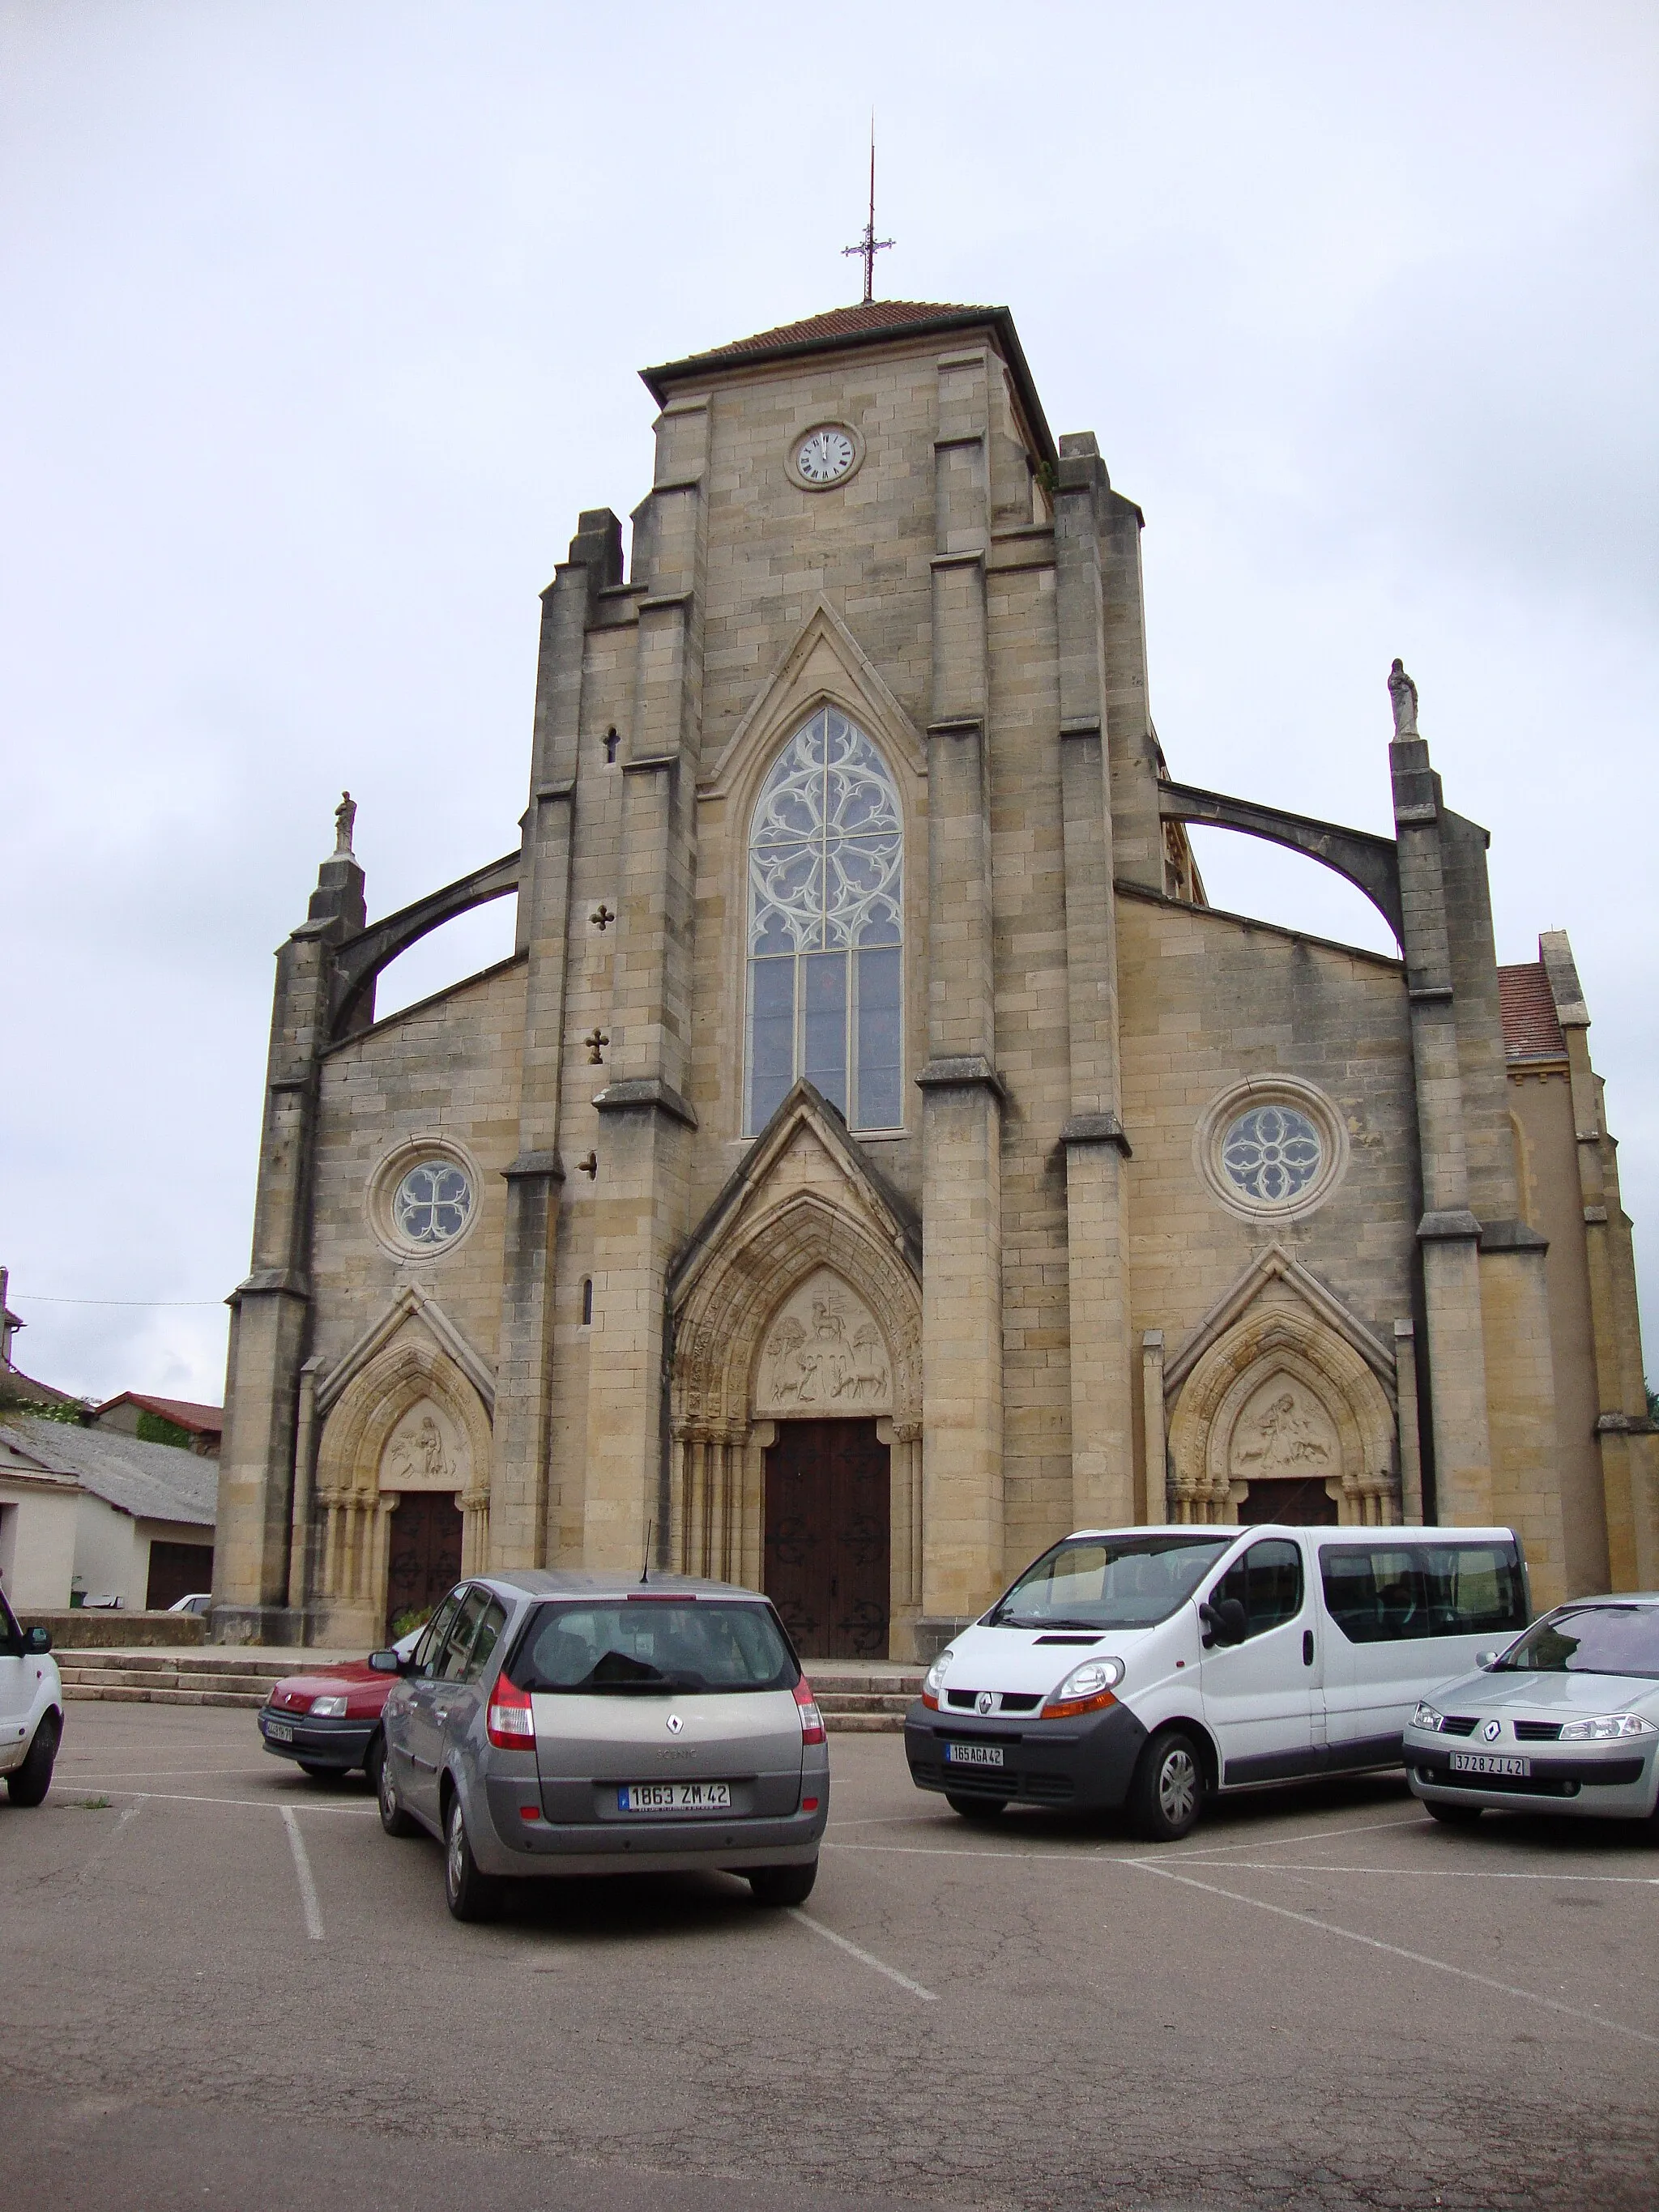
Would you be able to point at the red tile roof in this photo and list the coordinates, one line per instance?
(1531, 1030)
(183, 1412)
(844, 323)
(867, 324)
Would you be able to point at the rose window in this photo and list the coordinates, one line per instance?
(1271, 1154)
(432, 1203)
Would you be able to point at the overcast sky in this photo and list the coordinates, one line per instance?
(322, 324)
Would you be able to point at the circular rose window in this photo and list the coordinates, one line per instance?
(431, 1204)
(1275, 1147)
(1271, 1154)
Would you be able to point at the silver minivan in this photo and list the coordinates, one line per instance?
(1149, 1668)
(562, 1724)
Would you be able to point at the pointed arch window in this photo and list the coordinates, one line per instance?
(826, 928)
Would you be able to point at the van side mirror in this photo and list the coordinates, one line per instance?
(1484, 1659)
(1224, 1622)
(36, 1642)
(385, 1662)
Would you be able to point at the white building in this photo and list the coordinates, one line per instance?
(94, 1508)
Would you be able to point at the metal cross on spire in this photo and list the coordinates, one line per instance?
(869, 245)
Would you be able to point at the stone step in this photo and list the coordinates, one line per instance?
(75, 1694)
(854, 1701)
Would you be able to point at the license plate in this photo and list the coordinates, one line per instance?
(1489, 1762)
(674, 1797)
(973, 1754)
(280, 1731)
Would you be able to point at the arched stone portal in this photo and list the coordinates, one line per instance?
(408, 1424)
(800, 1300)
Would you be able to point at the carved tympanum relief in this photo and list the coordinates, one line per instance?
(424, 1452)
(1283, 1431)
(824, 1354)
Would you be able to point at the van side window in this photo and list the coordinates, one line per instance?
(1268, 1584)
(1394, 1593)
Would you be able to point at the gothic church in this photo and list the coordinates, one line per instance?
(878, 1158)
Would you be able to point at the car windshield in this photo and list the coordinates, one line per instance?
(624, 1646)
(1589, 1639)
(1108, 1582)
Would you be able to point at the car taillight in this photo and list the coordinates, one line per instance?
(811, 1720)
(510, 1724)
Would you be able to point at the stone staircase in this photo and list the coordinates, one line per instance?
(857, 1698)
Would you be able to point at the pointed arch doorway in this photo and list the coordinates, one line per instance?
(827, 1561)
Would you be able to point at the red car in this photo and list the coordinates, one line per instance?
(328, 1719)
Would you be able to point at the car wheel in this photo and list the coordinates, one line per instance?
(977, 1808)
(784, 1884)
(471, 1895)
(28, 1783)
(1454, 1816)
(378, 1767)
(1167, 1794)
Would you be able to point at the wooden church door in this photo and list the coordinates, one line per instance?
(829, 1537)
(426, 1554)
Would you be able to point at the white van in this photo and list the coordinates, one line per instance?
(1147, 1666)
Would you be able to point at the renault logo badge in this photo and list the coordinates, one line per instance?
(1492, 1731)
(985, 1701)
(675, 1725)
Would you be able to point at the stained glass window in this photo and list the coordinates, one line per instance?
(1271, 1153)
(431, 1204)
(826, 898)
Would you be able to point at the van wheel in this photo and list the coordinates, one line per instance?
(471, 1895)
(977, 1808)
(28, 1783)
(1454, 1816)
(1167, 1794)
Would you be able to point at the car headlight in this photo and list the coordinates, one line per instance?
(1605, 1726)
(934, 1681)
(328, 1709)
(1086, 1689)
(1425, 1716)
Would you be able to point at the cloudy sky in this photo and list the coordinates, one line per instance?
(322, 323)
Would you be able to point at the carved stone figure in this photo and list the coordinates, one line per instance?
(1403, 692)
(419, 1457)
(1286, 1440)
(345, 817)
(825, 1354)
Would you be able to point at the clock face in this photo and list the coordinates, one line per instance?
(824, 456)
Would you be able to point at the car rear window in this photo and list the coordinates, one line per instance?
(1395, 1593)
(1591, 1639)
(633, 1645)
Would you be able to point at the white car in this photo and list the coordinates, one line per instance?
(1565, 1720)
(31, 1709)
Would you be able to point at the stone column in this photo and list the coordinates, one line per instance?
(639, 1197)
(518, 1503)
(1448, 1233)
(961, 1093)
(1411, 1455)
(1160, 1506)
(270, 1309)
(1103, 1402)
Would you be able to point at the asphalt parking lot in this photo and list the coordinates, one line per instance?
(224, 1984)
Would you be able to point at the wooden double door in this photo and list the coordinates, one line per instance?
(425, 1557)
(829, 1537)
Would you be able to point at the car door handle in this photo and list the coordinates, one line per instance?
(1307, 1646)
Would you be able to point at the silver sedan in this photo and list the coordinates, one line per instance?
(1566, 1720)
(551, 1723)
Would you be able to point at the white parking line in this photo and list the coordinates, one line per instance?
(1398, 1951)
(313, 1911)
(1312, 1836)
(864, 1958)
(123, 1822)
(248, 1804)
(1443, 1873)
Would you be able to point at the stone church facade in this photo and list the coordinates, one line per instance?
(877, 1157)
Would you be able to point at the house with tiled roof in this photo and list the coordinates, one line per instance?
(140, 1517)
(180, 1421)
(878, 1156)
